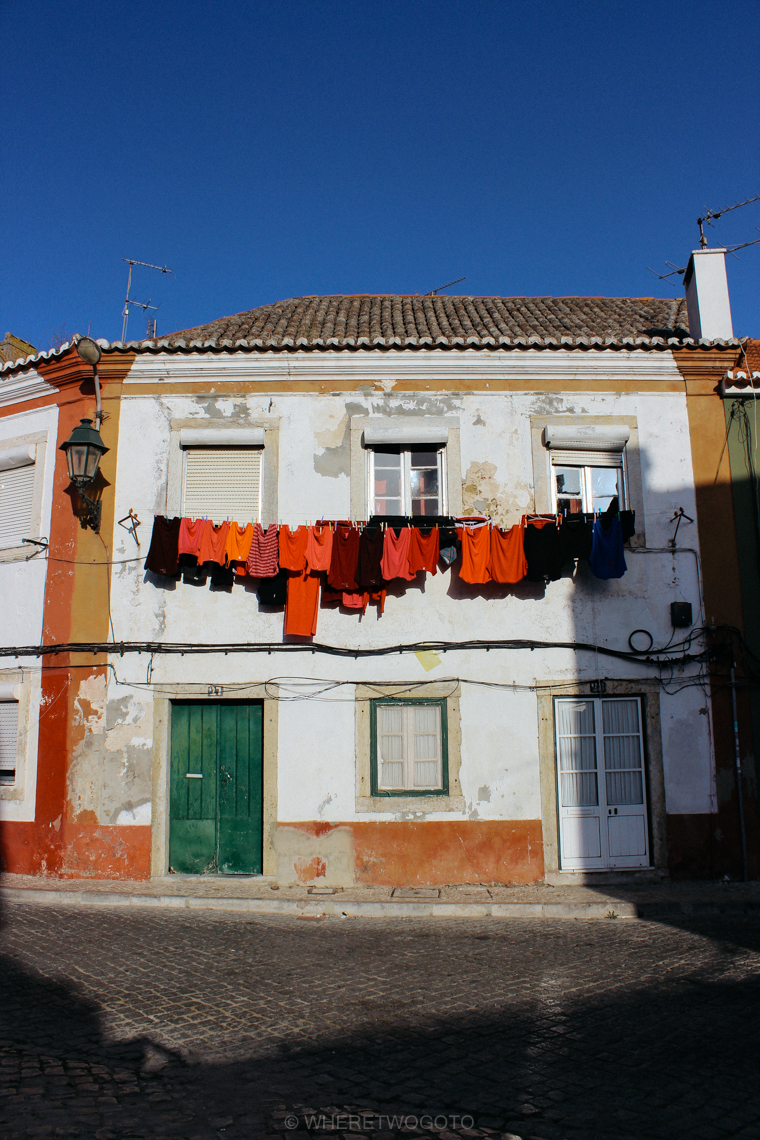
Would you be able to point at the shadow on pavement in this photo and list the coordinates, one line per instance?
(653, 1061)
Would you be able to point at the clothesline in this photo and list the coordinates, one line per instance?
(350, 564)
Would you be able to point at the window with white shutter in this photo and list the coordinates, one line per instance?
(16, 502)
(409, 748)
(8, 741)
(222, 483)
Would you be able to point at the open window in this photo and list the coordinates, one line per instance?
(588, 468)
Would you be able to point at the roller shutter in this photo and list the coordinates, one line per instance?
(16, 499)
(222, 483)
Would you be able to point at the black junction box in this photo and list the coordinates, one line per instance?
(680, 615)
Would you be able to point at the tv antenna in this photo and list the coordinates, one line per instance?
(144, 305)
(434, 292)
(712, 215)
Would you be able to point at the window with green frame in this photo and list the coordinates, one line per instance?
(409, 748)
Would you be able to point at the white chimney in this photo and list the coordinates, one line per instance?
(707, 295)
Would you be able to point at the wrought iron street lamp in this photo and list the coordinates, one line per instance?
(84, 447)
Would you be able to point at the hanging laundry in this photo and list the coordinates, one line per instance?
(508, 562)
(353, 601)
(319, 547)
(542, 551)
(575, 538)
(212, 546)
(345, 558)
(628, 524)
(395, 560)
(476, 554)
(272, 590)
(369, 574)
(163, 553)
(190, 531)
(301, 604)
(238, 547)
(263, 556)
(423, 550)
(293, 547)
(607, 558)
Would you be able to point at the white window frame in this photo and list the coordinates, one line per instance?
(405, 467)
(587, 462)
(599, 828)
(29, 451)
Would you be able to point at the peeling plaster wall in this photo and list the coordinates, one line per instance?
(316, 763)
(110, 775)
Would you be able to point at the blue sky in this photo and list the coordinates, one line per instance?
(320, 146)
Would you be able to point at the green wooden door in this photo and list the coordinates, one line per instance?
(216, 788)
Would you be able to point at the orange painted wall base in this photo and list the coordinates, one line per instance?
(432, 853)
(75, 851)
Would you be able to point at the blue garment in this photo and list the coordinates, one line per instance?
(607, 558)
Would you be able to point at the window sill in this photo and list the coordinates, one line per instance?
(395, 804)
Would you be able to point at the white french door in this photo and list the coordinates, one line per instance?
(600, 783)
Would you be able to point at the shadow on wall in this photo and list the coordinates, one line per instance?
(544, 1064)
(701, 844)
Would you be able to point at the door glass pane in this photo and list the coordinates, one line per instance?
(620, 716)
(568, 482)
(579, 789)
(575, 718)
(604, 487)
(577, 753)
(624, 788)
(622, 752)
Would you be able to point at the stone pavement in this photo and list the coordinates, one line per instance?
(643, 896)
(195, 1024)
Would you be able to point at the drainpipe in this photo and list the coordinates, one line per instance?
(739, 775)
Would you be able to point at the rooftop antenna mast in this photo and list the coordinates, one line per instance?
(710, 215)
(434, 292)
(144, 305)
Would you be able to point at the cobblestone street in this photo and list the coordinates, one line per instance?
(200, 1025)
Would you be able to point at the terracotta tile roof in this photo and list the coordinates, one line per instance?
(367, 319)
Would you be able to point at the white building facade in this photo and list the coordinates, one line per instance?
(367, 755)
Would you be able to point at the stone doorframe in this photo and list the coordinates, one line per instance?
(649, 692)
(159, 854)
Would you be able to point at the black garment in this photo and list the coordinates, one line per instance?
(369, 576)
(272, 591)
(192, 573)
(575, 538)
(543, 553)
(221, 576)
(628, 524)
(164, 542)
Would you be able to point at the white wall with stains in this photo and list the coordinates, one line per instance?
(499, 770)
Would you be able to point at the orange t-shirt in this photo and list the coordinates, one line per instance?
(190, 531)
(301, 603)
(508, 561)
(476, 554)
(395, 560)
(213, 542)
(423, 551)
(239, 539)
(319, 547)
(293, 548)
